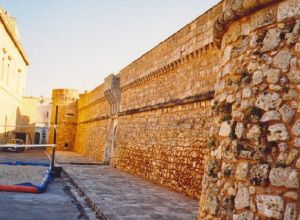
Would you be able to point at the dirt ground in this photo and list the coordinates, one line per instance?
(12, 174)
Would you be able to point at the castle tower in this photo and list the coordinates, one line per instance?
(65, 100)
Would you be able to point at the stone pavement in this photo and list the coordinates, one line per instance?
(68, 157)
(54, 204)
(116, 195)
(58, 202)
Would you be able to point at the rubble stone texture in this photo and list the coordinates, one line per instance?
(264, 71)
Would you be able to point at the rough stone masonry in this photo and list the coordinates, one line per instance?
(212, 112)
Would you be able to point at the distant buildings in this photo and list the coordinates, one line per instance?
(42, 127)
(25, 118)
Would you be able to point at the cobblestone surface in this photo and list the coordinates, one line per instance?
(119, 196)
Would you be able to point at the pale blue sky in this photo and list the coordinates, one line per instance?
(77, 43)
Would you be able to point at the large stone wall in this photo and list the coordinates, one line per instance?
(159, 135)
(93, 122)
(252, 167)
(165, 145)
(217, 103)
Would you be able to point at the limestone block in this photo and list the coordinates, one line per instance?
(275, 87)
(286, 177)
(268, 101)
(291, 38)
(242, 199)
(296, 128)
(288, 9)
(247, 92)
(242, 170)
(290, 95)
(270, 116)
(225, 129)
(297, 142)
(252, 190)
(257, 78)
(294, 76)
(263, 17)
(259, 174)
(247, 215)
(270, 206)
(212, 204)
(271, 40)
(293, 63)
(239, 130)
(230, 99)
(273, 75)
(254, 133)
(277, 132)
(227, 54)
(252, 66)
(290, 211)
(282, 60)
(287, 113)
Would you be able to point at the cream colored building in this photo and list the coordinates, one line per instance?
(13, 70)
(43, 121)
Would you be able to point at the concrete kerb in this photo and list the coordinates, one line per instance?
(99, 213)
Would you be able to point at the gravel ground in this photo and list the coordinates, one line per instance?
(11, 175)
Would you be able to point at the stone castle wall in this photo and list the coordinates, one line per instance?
(252, 167)
(66, 101)
(158, 135)
(216, 103)
(165, 145)
(93, 122)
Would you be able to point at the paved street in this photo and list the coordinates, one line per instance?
(115, 195)
(55, 204)
(119, 196)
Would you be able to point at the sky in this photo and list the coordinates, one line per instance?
(77, 43)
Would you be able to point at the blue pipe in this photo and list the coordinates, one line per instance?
(41, 188)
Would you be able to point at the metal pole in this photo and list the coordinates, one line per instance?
(54, 138)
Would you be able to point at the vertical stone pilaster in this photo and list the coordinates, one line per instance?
(252, 165)
(113, 94)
